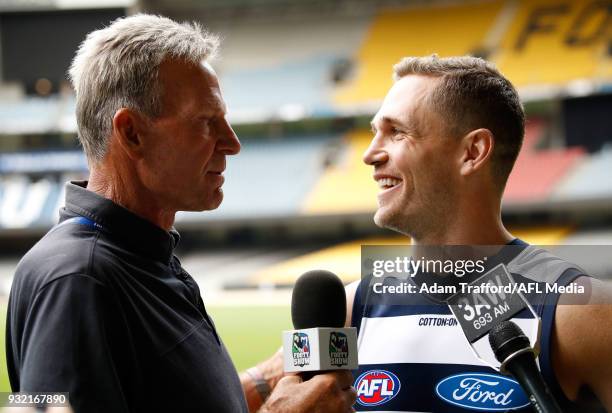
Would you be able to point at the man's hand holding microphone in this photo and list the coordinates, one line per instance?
(323, 382)
(325, 392)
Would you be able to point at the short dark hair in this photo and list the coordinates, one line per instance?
(473, 94)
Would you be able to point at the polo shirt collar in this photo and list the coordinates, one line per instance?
(129, 229)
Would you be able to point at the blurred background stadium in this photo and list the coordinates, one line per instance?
(302, 81)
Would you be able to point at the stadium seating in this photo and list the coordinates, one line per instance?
(284, 69)
(568, 43)
(308, 175)
(300, 87)
(345, 259)
(27, 204)
(415, 31)
(29, 115)
(347, 186)
(536, 172)
(586, 181)
(535, 43)
(342, 259)
(42, 162)
(316, 175)
(269, 178)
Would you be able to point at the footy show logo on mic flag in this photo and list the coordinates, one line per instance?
(300, 349)
(338, 349)
(320, 349)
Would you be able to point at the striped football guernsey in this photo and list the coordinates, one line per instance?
(415, 357)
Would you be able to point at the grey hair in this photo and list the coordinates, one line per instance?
(470, 94)
(118, 66)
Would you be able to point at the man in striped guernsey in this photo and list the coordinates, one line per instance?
(445, 140)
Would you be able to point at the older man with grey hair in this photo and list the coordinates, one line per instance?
(100, 307)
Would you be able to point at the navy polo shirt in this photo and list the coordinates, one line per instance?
(101, 308)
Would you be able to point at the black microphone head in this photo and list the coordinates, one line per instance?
(507, 338)
(318, 300)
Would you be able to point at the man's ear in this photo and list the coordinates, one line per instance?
(128, 128)
(477, 148)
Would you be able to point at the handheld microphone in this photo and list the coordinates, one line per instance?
(512, 349)
(320, 341)
(486, 302)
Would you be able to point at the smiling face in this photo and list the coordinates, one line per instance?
(189, 141)
(415, 163)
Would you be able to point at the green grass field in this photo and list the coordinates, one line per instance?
(250, 334)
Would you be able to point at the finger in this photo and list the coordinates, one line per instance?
(340, 379)
(344, 379)
(289, 379)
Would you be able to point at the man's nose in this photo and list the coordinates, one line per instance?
(228, 143)
(375, 154)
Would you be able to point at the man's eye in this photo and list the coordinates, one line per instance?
(396, 134)
(205, 122)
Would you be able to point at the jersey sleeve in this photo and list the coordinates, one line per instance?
(65, 345)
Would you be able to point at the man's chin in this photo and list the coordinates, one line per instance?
(381, 218)
(384, 218)
(209, 204)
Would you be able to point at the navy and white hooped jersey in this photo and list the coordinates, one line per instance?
(415, 357)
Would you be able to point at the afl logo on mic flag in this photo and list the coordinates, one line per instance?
(376, 387)
(480, 391)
